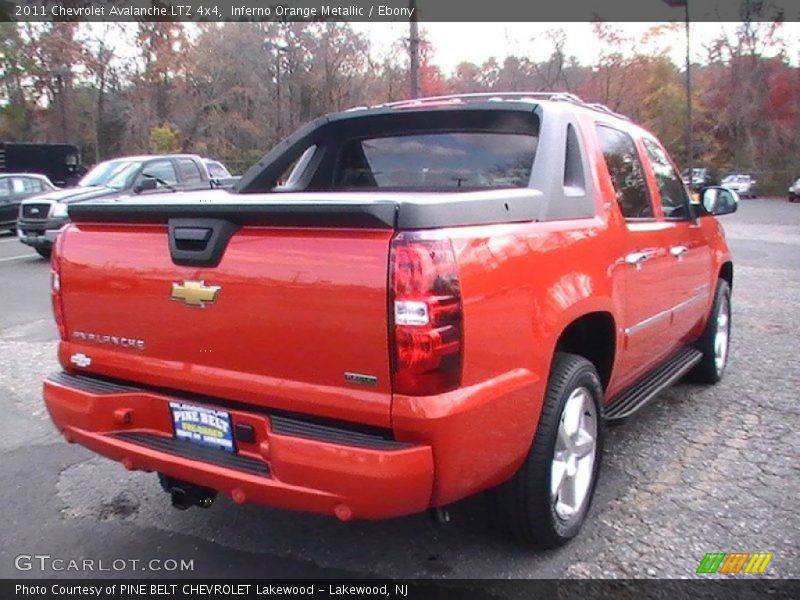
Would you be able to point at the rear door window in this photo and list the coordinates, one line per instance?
(190, 171)
(19, 185)
(437, 161)
(626, 171)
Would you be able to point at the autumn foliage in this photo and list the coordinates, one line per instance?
(233, 90)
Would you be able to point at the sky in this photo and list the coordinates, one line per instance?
(476, 42)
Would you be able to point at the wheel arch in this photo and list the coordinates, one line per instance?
(726, 273)
(592, 336)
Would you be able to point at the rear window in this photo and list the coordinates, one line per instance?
(437, 161)
(190, 171)
(217, 171)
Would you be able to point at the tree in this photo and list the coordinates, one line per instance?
(99, 57)
(164, 139)
(466, 78)
(159, 64)
(16, 101)
(551, 75)
(55, 54)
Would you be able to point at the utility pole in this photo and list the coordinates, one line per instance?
(413, 49)
(61, 75)
(689, 128)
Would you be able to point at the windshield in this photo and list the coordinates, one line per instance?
(112, 173)
(736, 179)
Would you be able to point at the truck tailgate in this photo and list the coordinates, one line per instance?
(295, 311)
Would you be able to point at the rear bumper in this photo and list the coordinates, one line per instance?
(292, 464)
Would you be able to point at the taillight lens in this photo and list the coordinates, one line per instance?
(55, 291)
(426, 315)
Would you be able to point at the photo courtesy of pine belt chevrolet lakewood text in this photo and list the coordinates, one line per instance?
(398, 307)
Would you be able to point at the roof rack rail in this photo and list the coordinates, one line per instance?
(485, 96)
(603, 108)
(501, 96)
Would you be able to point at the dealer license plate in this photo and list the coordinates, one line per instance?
(202, 426)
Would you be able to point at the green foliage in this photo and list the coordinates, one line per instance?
(164, 139)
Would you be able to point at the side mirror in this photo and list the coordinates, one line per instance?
(145, 184)
(718, 201)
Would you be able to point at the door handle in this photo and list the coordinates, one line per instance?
(637, 259)
(678, 251)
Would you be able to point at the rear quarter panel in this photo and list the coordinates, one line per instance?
(522, 284)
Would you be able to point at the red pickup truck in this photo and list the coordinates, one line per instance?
(401, 306)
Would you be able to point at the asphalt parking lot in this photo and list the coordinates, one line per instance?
(701, 470)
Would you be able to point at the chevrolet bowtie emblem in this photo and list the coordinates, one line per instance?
(195, 293)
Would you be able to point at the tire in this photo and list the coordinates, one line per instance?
(715, 340)
(44, 252)
(525, 506)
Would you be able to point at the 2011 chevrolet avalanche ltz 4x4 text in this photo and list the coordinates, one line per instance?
(399, 307)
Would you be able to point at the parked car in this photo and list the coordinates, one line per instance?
(219, 174)
(42, 217)
(446, 296)
(794, 190)
(701, 178)
(14, 188)
(744, 185)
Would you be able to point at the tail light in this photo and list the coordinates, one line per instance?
(427, 327)
(55, 289)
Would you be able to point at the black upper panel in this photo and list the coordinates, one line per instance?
(391, 211)
(330, 134)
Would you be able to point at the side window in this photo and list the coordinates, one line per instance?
(162, 171)
(574, 180)
(626, 172)
(34, 185)
(217, 171)
(5, 187)
(670, 186)
(18, 183)
(189, 171)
